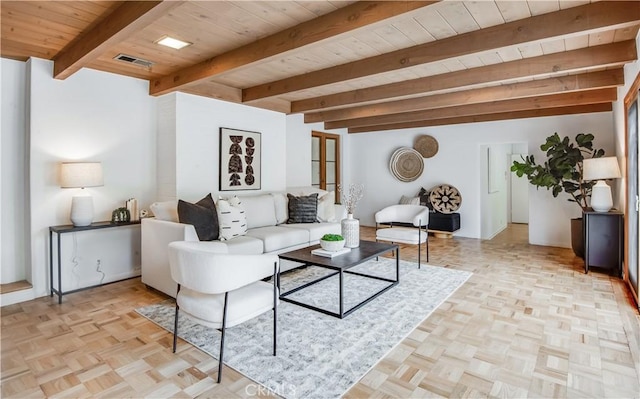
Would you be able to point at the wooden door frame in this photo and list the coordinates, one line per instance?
(629, 98)
(323, 182)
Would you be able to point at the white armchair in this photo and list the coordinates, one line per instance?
(413, 215)
(221, 290)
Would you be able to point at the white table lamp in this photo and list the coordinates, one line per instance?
(81, 175)
(601, 169)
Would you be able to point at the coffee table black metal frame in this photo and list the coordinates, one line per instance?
(341, 265)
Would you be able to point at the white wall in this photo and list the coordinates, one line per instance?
(94, 116)
(198, 121)
(458, 163)
(14, 196)
(631, 71)
(166, 149)
(189, 139)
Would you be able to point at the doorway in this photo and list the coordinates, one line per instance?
(504, 196)
(325, 162)
(519, 194)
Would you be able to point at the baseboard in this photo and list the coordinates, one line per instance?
(11, 298)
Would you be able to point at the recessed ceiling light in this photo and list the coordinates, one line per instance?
(172, 42)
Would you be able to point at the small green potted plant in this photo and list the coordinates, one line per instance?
(332, 242)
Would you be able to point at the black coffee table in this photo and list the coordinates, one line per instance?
(341, 265)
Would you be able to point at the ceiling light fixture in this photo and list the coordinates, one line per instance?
(173, 42)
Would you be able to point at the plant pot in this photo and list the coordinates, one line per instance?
(577, 237)
(332, 246)
(351, 231)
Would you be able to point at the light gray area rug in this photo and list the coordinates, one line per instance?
(320, 356)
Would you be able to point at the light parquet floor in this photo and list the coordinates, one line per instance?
(528, 323)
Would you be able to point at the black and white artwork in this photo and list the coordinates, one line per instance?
(240, 160)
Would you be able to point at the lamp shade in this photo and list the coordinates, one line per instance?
(601, 168)
(81, 174)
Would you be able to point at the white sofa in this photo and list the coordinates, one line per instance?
(267, 232)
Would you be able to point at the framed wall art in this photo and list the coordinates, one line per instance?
(240, 160)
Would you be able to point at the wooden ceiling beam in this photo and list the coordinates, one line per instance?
(128, 18)
(342, 20)
(215, 90)
(561, 84)
(592, 57)
(533, 113)
(590, 18)
(521, 104)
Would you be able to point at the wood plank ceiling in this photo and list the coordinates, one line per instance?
(364, 66)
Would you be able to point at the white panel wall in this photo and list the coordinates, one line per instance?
(14, 196)
(198, 121)
(166, 148)
(95, 116)
(299, 150)
(458, 163)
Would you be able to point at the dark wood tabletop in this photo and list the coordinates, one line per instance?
(367, 250)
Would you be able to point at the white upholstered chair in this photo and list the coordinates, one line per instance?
(414, 216)
(220, 290)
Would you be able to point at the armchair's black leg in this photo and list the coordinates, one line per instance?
(224, 325)
(419, 240)
(376, 237)
(275, 309)
(175, 323)
(426, 244)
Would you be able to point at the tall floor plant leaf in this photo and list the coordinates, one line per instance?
(562, 170)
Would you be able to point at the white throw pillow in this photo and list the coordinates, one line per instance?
(409, 200)
(260, 210)
(281, 205)
(232, 219)
(166, 210)
(326, 208)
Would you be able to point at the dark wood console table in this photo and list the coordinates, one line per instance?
(603, 240)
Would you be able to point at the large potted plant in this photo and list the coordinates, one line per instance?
(562, 172)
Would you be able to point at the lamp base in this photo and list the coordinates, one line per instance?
(601, 200)
(82, 210)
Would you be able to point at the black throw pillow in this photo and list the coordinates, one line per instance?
(424, 198)
(202, 215)
(303, 209)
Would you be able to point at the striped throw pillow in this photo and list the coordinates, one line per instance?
(233, 221)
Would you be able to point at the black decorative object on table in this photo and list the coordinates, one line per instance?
(120, 215)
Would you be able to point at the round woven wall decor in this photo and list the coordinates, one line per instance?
(426, 145)
(445, 198)
(406, 164)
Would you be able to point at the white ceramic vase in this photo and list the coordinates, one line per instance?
(351, 231)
